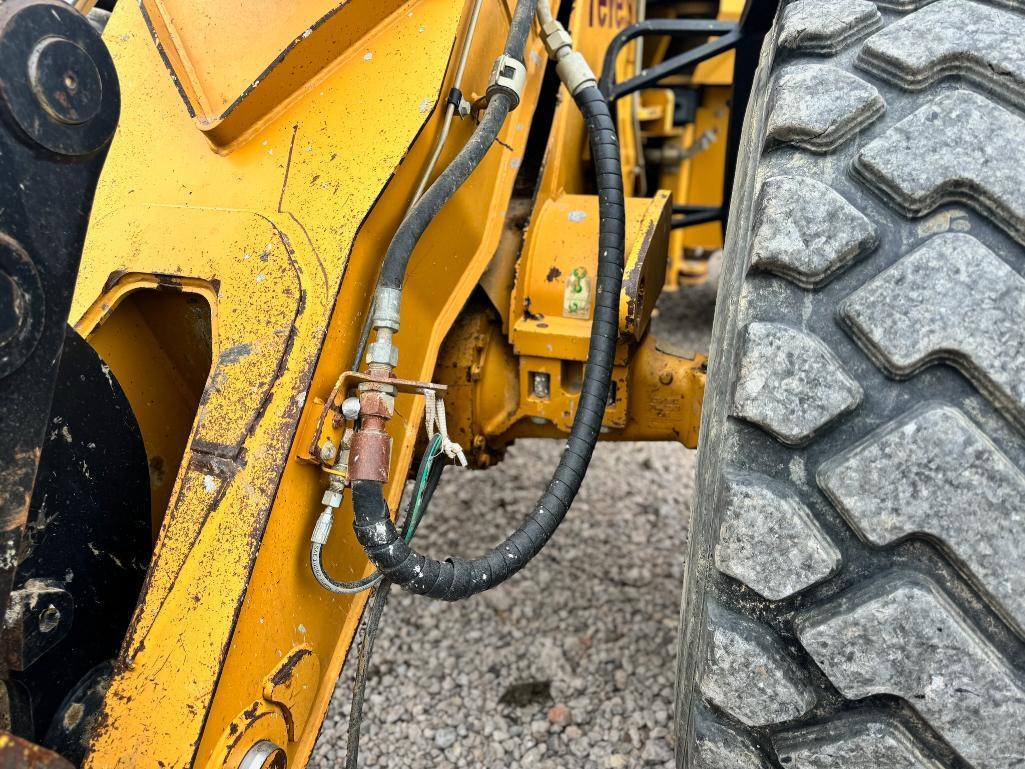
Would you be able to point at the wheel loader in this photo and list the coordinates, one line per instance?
(266, 269)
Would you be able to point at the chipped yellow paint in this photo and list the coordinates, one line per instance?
(280, 223)
(562, 239)
(267, 176)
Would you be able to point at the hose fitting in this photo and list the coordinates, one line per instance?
(370, 452)
(571, 66)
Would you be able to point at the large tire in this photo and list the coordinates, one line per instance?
(855, 591)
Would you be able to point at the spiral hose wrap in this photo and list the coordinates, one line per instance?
(455, 579)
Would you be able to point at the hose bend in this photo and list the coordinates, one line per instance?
(455, 579)
(426, 208)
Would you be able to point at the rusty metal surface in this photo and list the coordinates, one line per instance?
(370, 453)
(17, 753)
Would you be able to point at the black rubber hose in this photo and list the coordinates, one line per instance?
(519, 28)
(454, 579)
(393, 269)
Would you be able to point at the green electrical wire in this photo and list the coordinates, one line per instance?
(416, 504)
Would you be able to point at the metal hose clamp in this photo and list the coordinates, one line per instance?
(508, 76)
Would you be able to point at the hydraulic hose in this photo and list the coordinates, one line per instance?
(424, 211)
(455, 579)
(393, 270)
(420, 214)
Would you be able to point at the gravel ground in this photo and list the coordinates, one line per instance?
(570, 665)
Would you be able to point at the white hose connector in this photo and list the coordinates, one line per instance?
(508, 76)
(557, 41)
(572, 67)
(575, 72)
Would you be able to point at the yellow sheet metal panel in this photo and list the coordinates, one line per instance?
(236, 67)
(553, 300)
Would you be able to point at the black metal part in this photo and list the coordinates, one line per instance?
(89, 533)
(39, 616)
(72, 726)
(726, 34)
(62, 92)
(688, 216)
(745, 37)
(59, 104)
(686, 101)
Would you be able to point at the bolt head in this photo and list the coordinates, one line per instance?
(65, 81)
(49, 618)
(328, 452)
(540, 385)
(350, 408)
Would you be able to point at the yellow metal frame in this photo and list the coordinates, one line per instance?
(283, 223)
(698, 178)
(264, 159)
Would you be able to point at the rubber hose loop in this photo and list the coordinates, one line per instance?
(454, 580)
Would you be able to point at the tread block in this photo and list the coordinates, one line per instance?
(818, 107)
(790, 383)
(748, 674)
(961, 147)
(901, 635)
(826, 26)
(718, 746)
(951, 299)
(952, 38)
(768, 539)
(904, 6)
(934, 472)
(806, 232)
(852, 742)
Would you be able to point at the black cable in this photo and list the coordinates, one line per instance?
(455, 579)
(393, 270)
(519, 28)
(377, 601)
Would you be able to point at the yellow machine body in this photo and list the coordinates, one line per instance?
(263, 161)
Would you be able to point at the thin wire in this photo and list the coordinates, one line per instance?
(450, 109)
(378, 600)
